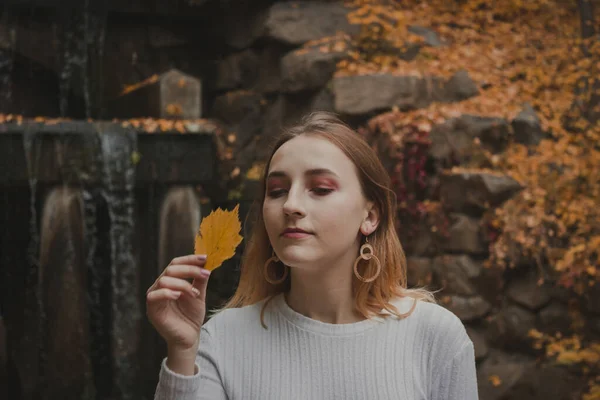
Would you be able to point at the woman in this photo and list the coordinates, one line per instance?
(321, 310)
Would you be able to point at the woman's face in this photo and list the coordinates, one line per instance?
(313, 186)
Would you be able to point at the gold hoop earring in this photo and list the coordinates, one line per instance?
(274, 259)
(366, 253)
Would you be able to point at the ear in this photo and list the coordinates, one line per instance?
(371, 219)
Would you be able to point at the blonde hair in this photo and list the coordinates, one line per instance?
(370, 298)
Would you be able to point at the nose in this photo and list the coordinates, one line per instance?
(293, 204)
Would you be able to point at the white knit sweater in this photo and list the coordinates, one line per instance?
(427, 355)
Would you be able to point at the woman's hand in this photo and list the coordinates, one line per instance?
(176, 307)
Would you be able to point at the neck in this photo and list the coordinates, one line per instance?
(324, 294)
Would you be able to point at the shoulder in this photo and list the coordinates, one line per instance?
(437, 328)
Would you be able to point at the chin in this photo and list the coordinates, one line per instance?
(295, 257)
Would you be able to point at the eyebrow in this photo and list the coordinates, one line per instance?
(310, 172)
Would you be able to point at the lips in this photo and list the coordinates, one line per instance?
(294, 232)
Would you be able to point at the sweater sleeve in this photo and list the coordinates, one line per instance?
(205, 384)
(457, 380)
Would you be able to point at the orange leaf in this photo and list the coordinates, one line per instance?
(218, 237)
(495, 380)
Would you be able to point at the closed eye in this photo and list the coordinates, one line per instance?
(322, 191)
(276, 193)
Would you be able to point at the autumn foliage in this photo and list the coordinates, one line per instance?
(517, 52)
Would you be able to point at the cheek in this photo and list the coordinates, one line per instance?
(269, 216)
(340, 221)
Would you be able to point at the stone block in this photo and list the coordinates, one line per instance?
(362, 94)
(419, 271)
(467, 308)
(311, 67)
(527, 127)
(510, 328)
(526, 292)
(238, 70)
(172, 94)
(297, 22)
(464, 236)
(454, 273)
(474, 192)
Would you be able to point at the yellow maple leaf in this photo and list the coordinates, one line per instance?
(218, 237)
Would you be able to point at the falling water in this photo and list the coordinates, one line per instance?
(118, 192)
(74, 56)
(83, 49)
(7, 56)
(96, 35)
(34, 312)
(98, 276)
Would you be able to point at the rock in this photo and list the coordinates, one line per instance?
(409, 51)
(490, 284)
(298, 105)
(249, 154)
(592, 296)
(419, 271)
(64, 295)
(367, 93)
(453, 274)
(431, 38)
(467, 308)
(295, 23)
(475, 192)
(553, 318)
(499, 373)
(232, 107)
(179, 221)
(560, 293)
(453, 140)
(527, 127)
(594, 324)
(362, 94)
(460, 87)
(464, 236)
(242, 111)
(423, 244)
(172, 94)
(492, 132)
(161, 37)
(273, 124)
(269, 76)
(242, 24)
(311, 67)
(479, 343)
(510, 328)
(528, 293)
(542, 382)
(237, 70)
(449, 143)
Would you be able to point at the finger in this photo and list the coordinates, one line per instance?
(184, 271)
(179, 271)
(162, 294)
(177, 284)
(193, 259)
(201, 283)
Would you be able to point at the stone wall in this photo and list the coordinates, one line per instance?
(263, 64)
(268, 84)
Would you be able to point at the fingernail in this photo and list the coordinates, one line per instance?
(195, 291)
(202, 257)
(205, 272)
